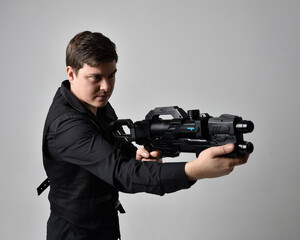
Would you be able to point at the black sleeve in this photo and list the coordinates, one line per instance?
(77, 141)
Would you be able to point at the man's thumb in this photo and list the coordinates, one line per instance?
(222, 150)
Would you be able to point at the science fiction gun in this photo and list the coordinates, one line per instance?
(185, 132)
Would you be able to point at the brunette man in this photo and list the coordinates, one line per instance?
(86, 168)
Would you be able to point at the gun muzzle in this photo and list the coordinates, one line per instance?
(244, 126)
(245, 148)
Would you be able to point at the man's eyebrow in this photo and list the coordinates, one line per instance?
(100, 74)
(114, 72)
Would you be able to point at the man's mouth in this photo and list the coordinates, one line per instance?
(102, 97)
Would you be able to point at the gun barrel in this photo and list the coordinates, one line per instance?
(244, 126)
(158, 128)
(245, 148)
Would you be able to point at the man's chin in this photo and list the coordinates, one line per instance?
(101, 105)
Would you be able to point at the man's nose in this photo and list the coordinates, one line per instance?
(104, 84)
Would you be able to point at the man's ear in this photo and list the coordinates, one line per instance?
(71, 74)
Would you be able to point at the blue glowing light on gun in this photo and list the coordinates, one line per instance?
(191, 128)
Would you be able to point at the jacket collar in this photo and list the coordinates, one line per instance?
(71, 99)
(106, 111)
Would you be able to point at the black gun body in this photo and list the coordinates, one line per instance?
(192, 132)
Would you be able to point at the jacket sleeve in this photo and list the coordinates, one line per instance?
(75, 140)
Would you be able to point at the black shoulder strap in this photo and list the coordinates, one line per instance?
(43, 186)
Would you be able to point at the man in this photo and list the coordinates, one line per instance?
(86, 168)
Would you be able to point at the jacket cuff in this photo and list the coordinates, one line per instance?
(173, 177)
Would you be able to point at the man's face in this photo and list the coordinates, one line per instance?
(93, 86)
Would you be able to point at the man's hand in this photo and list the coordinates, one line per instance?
(143, 155)
(211, 164)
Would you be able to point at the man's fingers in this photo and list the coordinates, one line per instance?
(145, 154)
(241, 160)
(155, 154)
(142, 153)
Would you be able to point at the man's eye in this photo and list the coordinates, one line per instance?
(95, 78)
(112, 76)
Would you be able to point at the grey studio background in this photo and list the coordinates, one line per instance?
(238, 57)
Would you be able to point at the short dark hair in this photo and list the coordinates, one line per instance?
(91, 48)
